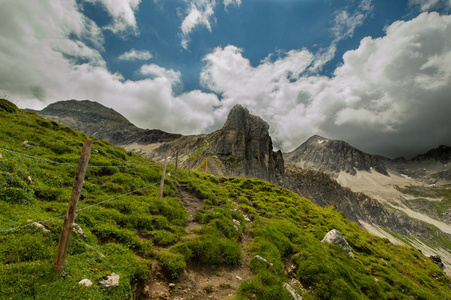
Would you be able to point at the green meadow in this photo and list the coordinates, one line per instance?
(127, 229)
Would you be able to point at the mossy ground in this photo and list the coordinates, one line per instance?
(127, 234)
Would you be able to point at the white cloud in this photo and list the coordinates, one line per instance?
(156, 71)
(344, 25)
(345, 22)
(200, 13)
(43, 61)
(392, 90)
(133, 55)
(231, 2)
(431, 5)
(123, 14)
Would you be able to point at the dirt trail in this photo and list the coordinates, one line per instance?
(199, 281)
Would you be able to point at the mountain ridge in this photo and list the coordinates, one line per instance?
(243, 148)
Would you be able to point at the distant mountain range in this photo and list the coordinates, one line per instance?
(368, 189)
(334, 157)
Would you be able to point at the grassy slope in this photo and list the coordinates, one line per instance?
(135, 230)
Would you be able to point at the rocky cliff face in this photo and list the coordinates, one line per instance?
(332, 157)
(241, 148)
(245, 140)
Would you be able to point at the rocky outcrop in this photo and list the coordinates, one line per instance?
(332, 157)
(245, 139)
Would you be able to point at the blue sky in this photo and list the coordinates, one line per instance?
(374, 73)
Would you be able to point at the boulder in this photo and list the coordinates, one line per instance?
(111, 280)
(85, 282)
(335, 237)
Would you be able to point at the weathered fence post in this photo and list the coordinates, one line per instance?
(162, 178)
(72, 208)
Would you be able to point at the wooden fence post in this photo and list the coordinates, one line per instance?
(72, 208)
(162, 178)
(176, 164)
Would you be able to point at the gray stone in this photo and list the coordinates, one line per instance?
(335, 237)
(292, 291)
(111, 280)
(262, 259)
(85, 282)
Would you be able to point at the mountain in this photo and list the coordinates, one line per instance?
(243, 148)
(419, 187)
(207, 238)
(332, 157)
(336, 157)
(105, 123)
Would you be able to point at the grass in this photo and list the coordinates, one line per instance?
(127, 234)
(442, 192)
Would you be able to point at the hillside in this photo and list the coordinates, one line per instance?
(199, 242)
(243, 148)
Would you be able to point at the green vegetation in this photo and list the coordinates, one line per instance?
(127, 234)
(442, 192)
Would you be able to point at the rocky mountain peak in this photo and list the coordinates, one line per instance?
(239, 116)
(441, 154)
(245, 147)
(333, 157)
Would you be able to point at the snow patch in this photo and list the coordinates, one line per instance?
(322, 141)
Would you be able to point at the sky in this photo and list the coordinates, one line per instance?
(375, 73)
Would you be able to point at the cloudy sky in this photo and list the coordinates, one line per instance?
(375, 73)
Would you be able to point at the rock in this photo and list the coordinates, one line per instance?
(236, 222)
(85, 282)
(262, 259)
(77, 229)
(111, 280)
(438, 261)
(335, 237)
(26, 145)
(292, 291)
(39, 225)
